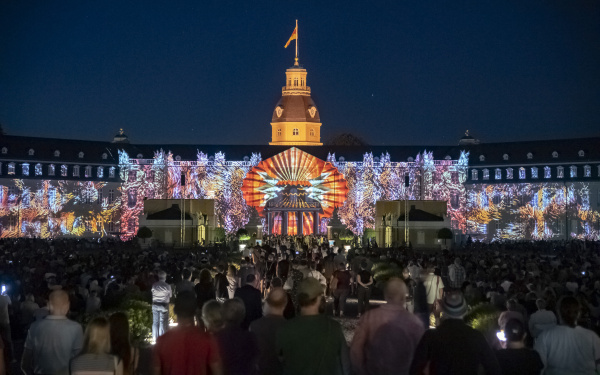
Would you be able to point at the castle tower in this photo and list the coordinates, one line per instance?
(296, 120)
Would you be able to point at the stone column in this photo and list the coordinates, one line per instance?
(284, 222)
(300, 222)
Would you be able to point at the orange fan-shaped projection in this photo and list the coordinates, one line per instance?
(295, 179)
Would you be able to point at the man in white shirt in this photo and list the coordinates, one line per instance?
(568, 348)
(161, 295)
(541, 319)
(434, 287)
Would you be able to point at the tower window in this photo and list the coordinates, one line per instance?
(296, 132)
(474, 174)
(279, 132)
(312, 132)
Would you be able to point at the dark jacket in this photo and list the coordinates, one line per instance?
(454, 348)
(253, 303)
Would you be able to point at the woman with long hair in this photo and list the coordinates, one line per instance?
(121, 342)
(95, 356)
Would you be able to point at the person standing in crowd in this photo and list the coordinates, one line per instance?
(569, 348)
(434, 287)
(456, 274)
(53, 341)
(2, 358)
(237, 346)
(420, 306)
(364, 280)
(454, 348)
(516, 358)
(341, 278)
(386, 337)
(252, 299)
(283, 267)
(185, 283)
(212, 316)
(5, 331)
(221, 284)
(232, 281)
(120, 343)
(316, 274)
(95, 356)
(204, 290)
(186, 349)
(541, 320)
(266, 329)
(161, 295)
(289, 311)
(312, 343)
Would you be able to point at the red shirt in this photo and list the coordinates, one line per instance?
(185, 350)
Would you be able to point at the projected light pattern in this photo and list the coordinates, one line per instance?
(52, 208)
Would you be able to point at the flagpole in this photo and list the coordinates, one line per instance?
(296, 42)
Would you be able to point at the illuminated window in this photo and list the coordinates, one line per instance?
(131, 176)
(88, 171)
(522, 173)
(581, 153)
(587, 171)
(474, 175)
(11, 168)
(289, 82)
(505, 157)
(51, 170)
(312, 132)
(132, 197)
(302, 82)
(560, 172)
(52, 196)
(100, 195)
(12, 193)
(4, 151)
(555, 154)
(498, 174)
(104, 156)
(481, 157)
(279, 132)
(486, 174)
(76, 171)
(81, 155)
(26, 199)
(295, 81)
(111, 172)
(509, 173)
(111, 196)
(31, 152)
(25, 167)
(547, 172)
(296, 132)
(38, 169)
(56, 153)
(529, 156)
(573, 171)
(100, 172)
(534, 172)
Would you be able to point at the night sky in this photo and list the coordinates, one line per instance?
(204, 72)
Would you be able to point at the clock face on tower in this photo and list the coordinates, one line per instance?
(279, 111)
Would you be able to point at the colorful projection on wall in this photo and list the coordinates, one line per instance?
(295, 180)
(531, 211)
(52, 208)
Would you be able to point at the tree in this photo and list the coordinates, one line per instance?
(242, 234)
(144, 232)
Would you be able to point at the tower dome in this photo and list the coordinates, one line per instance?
(296, 120)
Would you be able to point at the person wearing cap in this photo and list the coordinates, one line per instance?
(161, 295)
(516, 358)
(454, 347)
(386, 338)
(312, 343)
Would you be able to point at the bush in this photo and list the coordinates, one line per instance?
(242, 234)
(144, 232)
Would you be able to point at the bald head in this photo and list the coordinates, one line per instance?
(395, 291)
(58, 303)
(276, 301)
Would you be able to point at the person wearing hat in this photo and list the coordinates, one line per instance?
(516, 358)
(312, 343)
(454, 347)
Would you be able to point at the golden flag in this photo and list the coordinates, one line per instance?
(294, 36)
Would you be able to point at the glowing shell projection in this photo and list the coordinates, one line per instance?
(296, 180)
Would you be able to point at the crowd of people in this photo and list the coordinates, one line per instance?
(276, 308)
